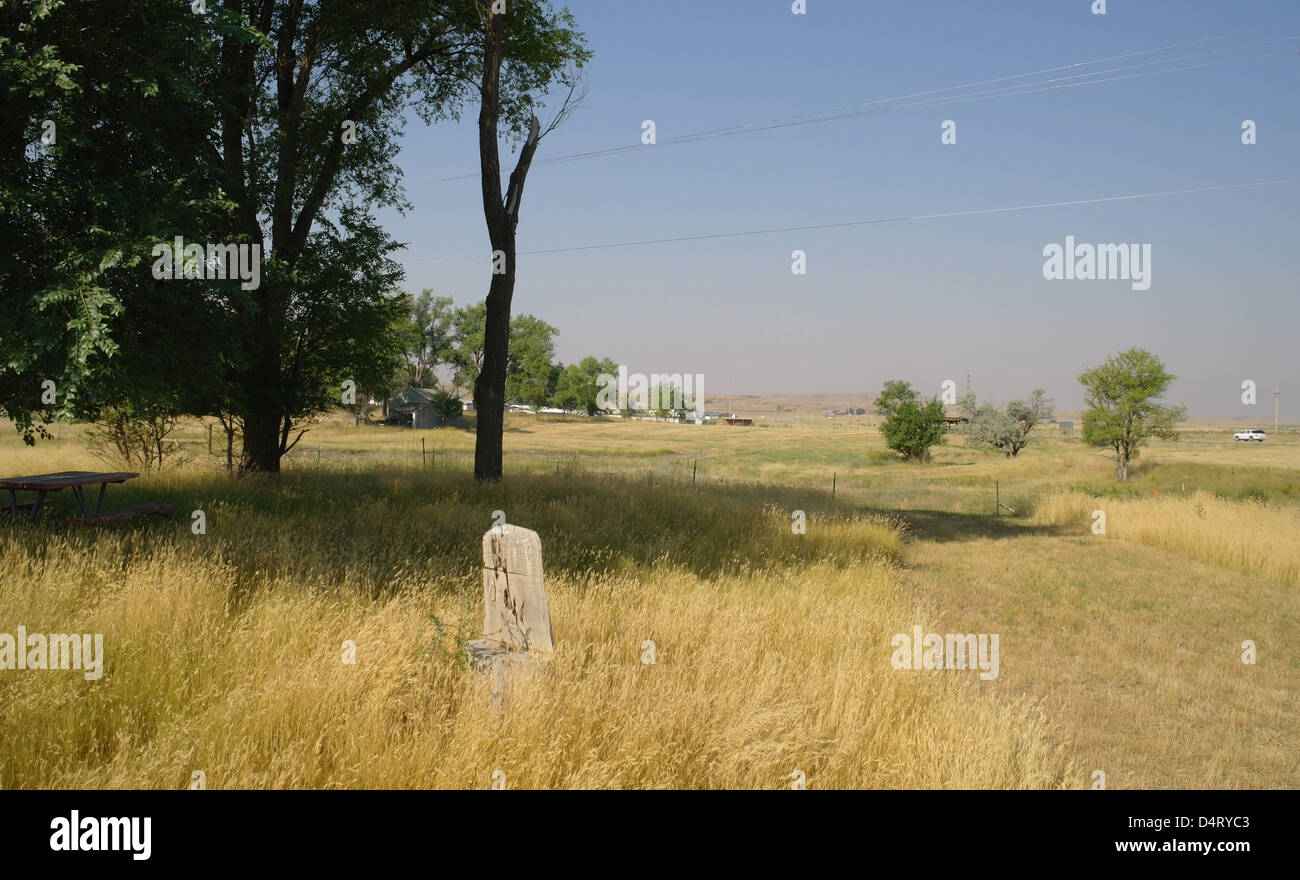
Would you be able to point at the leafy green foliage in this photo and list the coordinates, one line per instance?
(224, 128)
(102, 115)
(468, 328)
(577, 386)
(1122, 408)
(992, 428)
(910, 427)
(1009, 431)
(447, 407)
(430, 339)
(895, 393)
(530, 378)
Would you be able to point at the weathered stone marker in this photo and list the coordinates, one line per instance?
(516, 622)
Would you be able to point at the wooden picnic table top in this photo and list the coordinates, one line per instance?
(65, 479)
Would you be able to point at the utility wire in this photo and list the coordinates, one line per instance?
(1027, 91)
(937, 216)
(856, 110)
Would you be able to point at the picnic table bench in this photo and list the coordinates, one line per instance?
(43, 484)
(107, 516)
(14, 506)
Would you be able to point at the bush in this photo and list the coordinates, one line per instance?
(910, 427)
(447, 407)
(138, 441)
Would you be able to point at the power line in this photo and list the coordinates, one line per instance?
(870, 107)
(1047, 84)
(918, 217)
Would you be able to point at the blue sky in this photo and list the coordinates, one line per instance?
(922, 300)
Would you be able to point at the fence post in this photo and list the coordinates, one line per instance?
(694, 466)
(421, 452)
(834, 479)
(997, 499)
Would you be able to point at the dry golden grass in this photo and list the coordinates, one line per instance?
(1134, 652)
(223, 651)
(758, 676)
(1248, 536)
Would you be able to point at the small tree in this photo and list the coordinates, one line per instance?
(138, 439)
(966, 405)
(992, 428)
(1009, 432)
(1027, 414)
(447, 407)
(911, 427)
(1121, 405)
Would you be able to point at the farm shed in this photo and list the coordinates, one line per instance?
(413, 408)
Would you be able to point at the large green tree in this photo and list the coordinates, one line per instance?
(468, 325)
(431, 336)
(307, 130)
(578, 385)
(104, 110)
(530, 369)
(268, 124)
(1122, 407)
(263, 123)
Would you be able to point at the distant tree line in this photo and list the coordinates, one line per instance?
(438, 339)
(1122, 412)
(269, 128)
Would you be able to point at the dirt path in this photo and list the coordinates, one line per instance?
(1134, 652)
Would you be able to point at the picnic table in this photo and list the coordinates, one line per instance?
(43, 484)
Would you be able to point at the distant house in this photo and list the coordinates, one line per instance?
(413, 408)
(733, 420)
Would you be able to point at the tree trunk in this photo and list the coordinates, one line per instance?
(263, 410)
(490, 386)
(261, 453)
(502, 216)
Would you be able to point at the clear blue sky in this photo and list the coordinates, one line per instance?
(923, 300)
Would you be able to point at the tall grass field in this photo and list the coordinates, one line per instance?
(701, 642)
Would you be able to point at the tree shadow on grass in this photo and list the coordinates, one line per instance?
(943, 525)
(378, 530)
